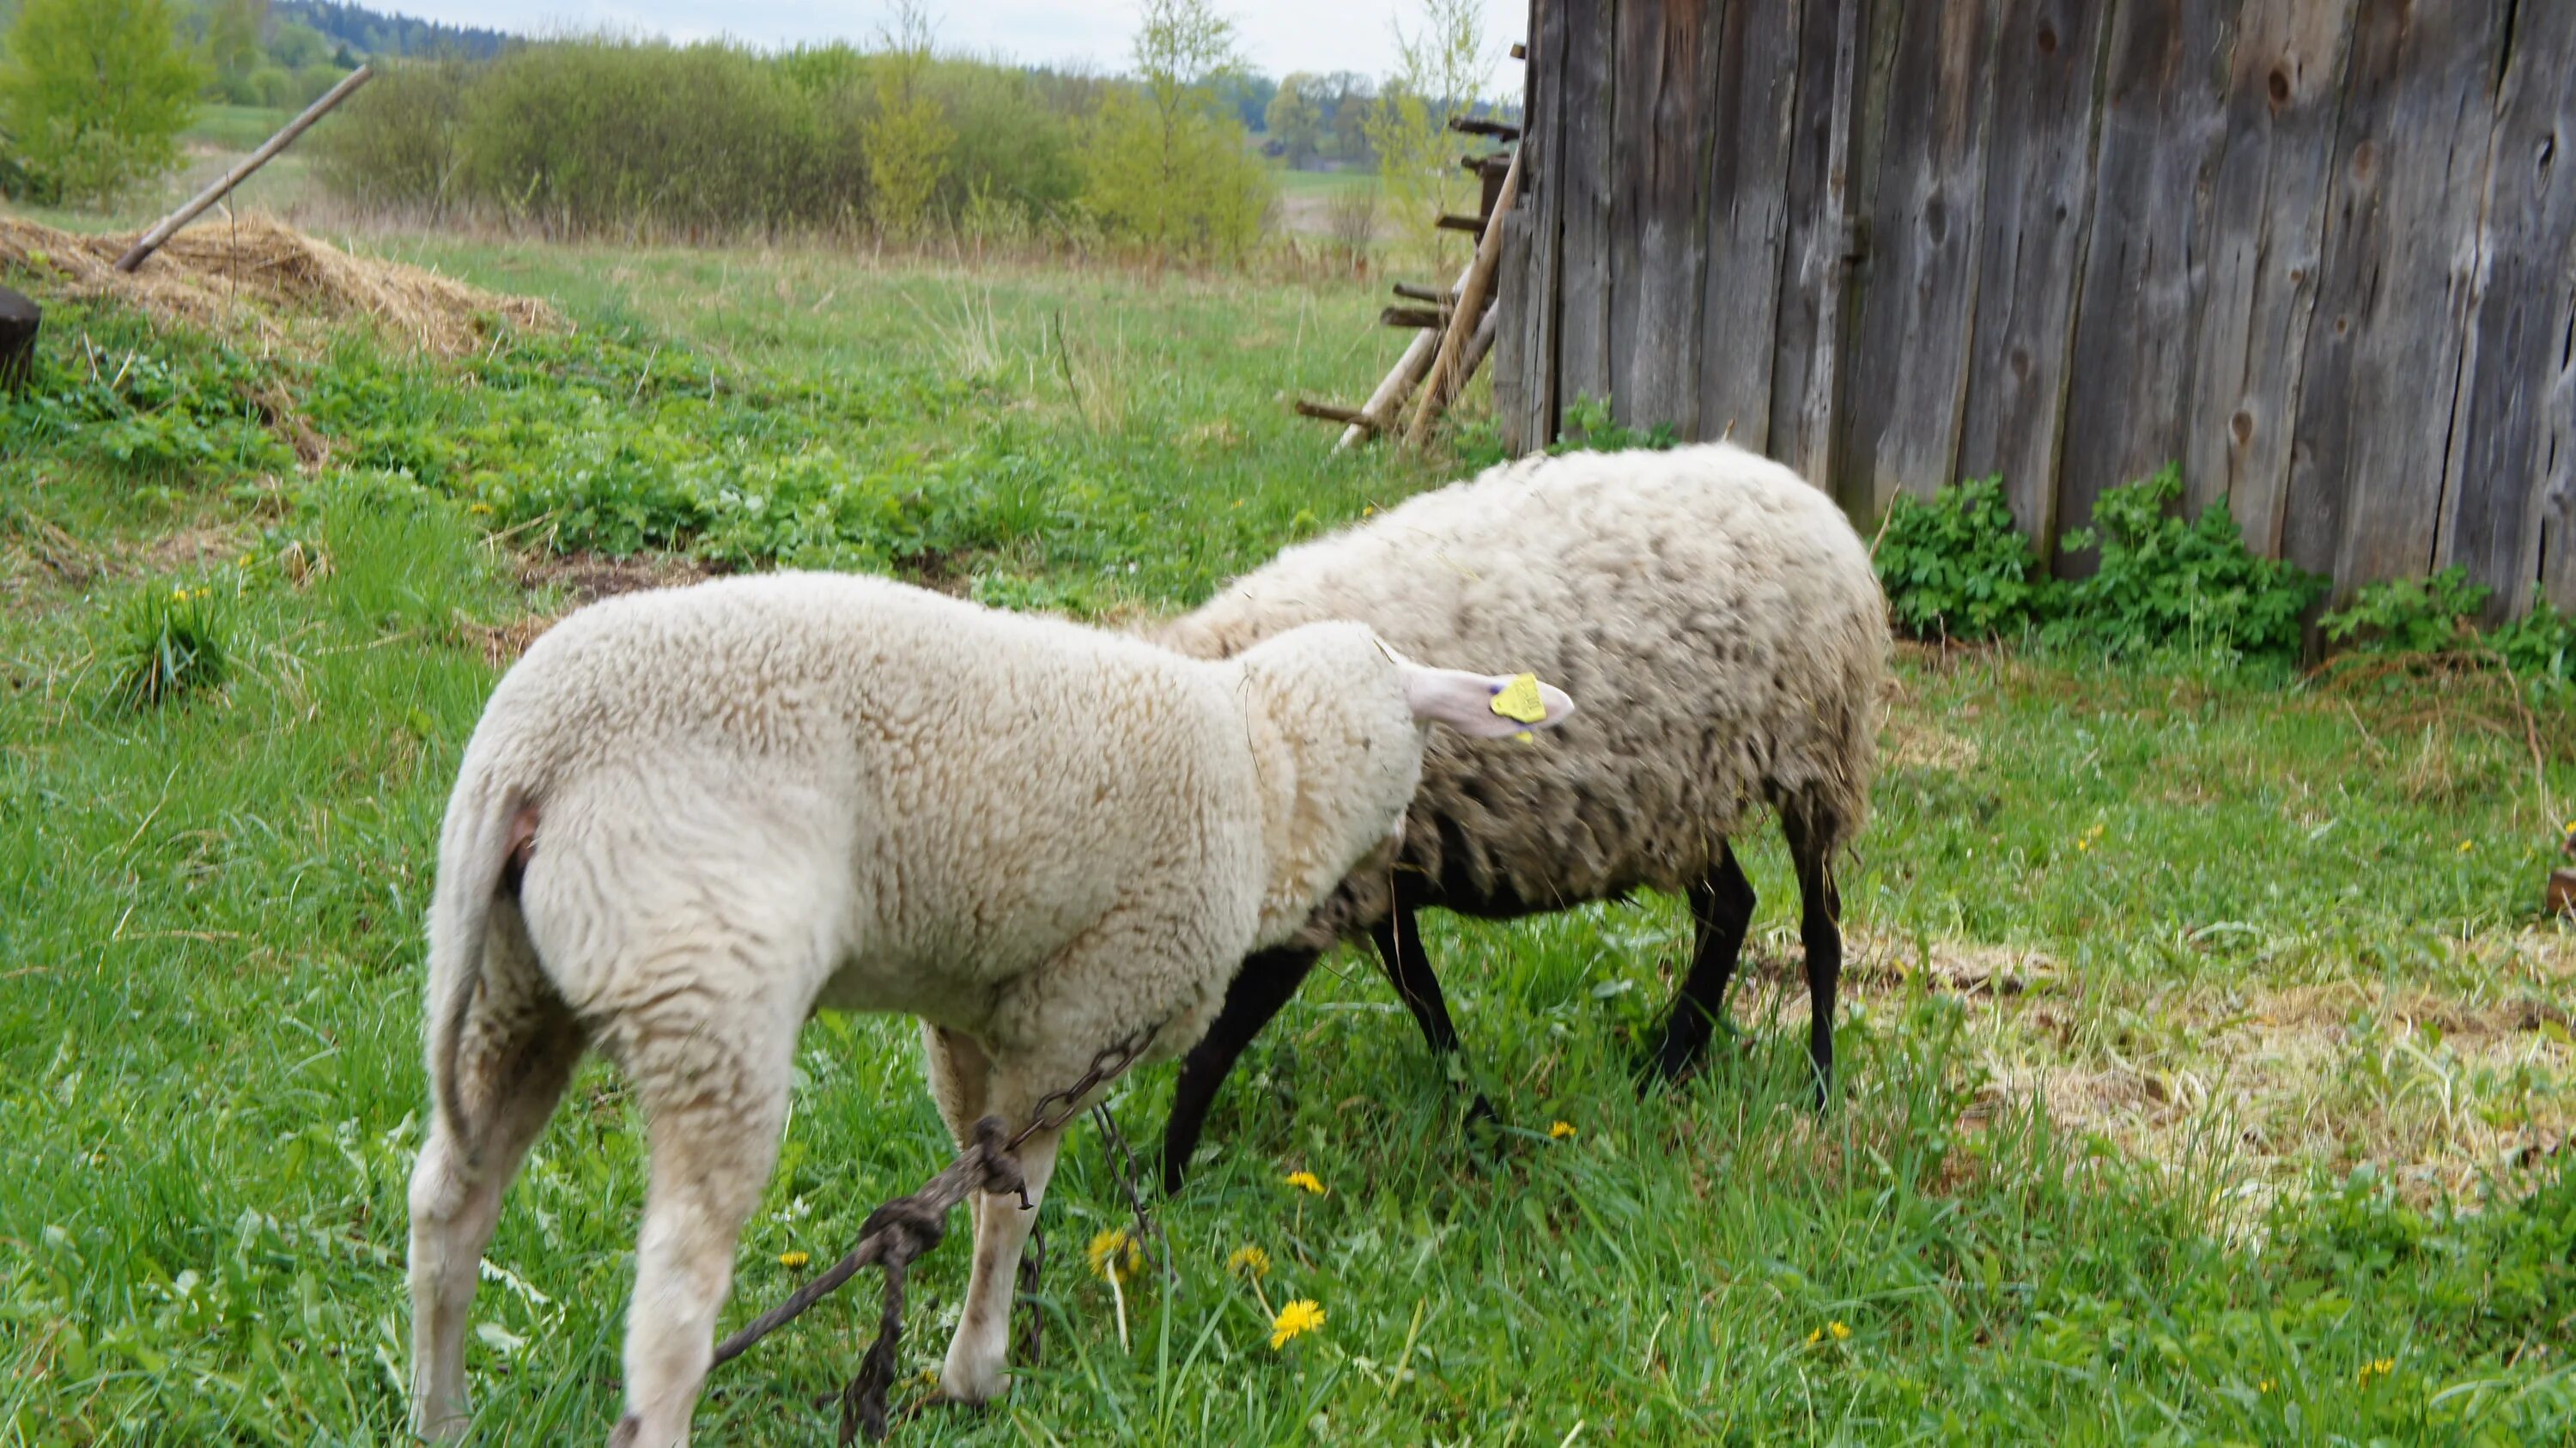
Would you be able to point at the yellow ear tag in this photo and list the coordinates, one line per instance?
(1519, 700)
(1526, 737)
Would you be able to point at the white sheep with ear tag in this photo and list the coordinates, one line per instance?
(690, 817)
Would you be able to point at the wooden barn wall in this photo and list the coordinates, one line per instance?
(2322, 253)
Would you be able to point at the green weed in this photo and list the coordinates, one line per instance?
(169, 644)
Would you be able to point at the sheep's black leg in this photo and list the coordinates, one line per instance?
(1264, 984)
(1399, 949)
(1820, 930)
(1722, 905)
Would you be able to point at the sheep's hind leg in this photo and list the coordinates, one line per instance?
(1399, 948)
(1820, 931)
(1722, 906)
(977, 1368)
(1259, 990)
(517, 1051)
(714, 1093)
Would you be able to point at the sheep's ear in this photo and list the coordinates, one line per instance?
(1484, 706)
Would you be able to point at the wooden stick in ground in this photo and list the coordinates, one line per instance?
(152, 240)
(1470, 311)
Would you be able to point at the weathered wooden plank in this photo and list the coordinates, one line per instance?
(2384, 346)
(2265, 239)
(1526, 344)
(2518, 325)
(1667, 70)
(1911, 359)
(1583, 187)
(2039, 184)
(1814, 273)
(1637, 36)
(2134, 321)
(2554, 500)
(1754, 57)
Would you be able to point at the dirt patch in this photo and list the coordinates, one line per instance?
(588, 577)
(1912, 744)
(578, 578)
(254, 274)
(2247, 1088)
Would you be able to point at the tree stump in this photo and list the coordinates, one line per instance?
(19, 319)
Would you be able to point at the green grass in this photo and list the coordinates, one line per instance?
(236, 128)
(2028, 1210)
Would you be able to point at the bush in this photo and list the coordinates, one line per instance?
(2439, 615)
(95, 95)
(395, 142)
(2411, 615)
(588, 137)
(1955, 566)
(591, 136)
(2167, 583)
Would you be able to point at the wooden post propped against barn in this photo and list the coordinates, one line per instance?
(154, 239)
(1456, 329)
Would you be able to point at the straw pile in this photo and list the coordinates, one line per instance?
(252, 273)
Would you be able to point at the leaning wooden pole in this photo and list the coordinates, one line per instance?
(152, 240)
(1378, 414)
(1470, 310)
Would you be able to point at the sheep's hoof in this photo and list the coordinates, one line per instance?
(1481, 1115)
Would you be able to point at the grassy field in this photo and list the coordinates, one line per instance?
(2206, 1058)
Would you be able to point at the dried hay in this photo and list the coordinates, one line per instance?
(254, 274)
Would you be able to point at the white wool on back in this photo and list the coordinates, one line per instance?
(1716, 615)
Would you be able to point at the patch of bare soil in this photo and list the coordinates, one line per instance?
(577, 579)
(2254, 1089)
(255, 274)
(589, 577)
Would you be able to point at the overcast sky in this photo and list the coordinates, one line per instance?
(1278, 36)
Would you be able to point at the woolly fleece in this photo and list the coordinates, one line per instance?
(754, 796)
(1715, 613)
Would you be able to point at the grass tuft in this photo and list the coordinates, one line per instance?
(171, 642)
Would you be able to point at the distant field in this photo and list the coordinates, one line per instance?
(2206, 1061)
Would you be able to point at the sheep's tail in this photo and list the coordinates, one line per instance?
(480, 854)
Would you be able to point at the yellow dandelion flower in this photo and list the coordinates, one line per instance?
(1306, 1181)
(1249, 1260)
(1840, 1332)
(1114, 1251)
(1299, 1316)
(479, 508)
(1560, 1131)
(1815, 1336)
(2264, 1386)
(793, 1260)
(1368, 510)
(2467, 845)
(178, 595)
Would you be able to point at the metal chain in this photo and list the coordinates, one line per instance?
(908, 1226)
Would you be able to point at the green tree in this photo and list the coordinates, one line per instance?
(1163, 164)
(232, 47)
(908, 138)
(1294, 121)
(95, 93)
(1441, 73)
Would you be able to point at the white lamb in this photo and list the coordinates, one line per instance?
(690, 817)
(1721, 622)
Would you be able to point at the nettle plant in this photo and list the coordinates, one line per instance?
(2439, 615)
(1955, 566)
(2166, 583)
